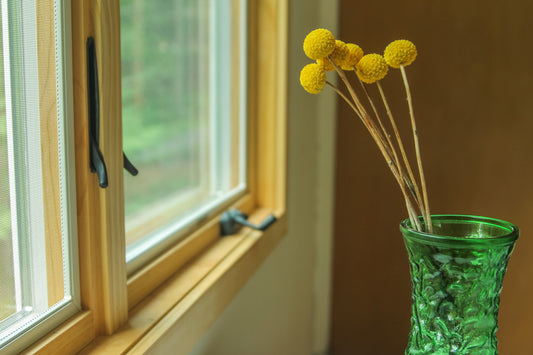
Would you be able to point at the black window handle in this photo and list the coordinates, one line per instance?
(231, 221)
(96, 159)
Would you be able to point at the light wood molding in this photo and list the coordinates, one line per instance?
(268, 86)
(67, 339)
(100, 211)
(49, 150)
(107, 41)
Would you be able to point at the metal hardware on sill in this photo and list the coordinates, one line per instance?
(231, 221)
(96, 159)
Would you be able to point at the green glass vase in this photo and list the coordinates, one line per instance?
(456, 280)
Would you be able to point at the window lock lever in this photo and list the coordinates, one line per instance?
(97, 163)
(130, 168)
(231, 221)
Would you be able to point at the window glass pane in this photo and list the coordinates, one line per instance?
(163, 104)
(7, 282)
(37, 259)
(183, 119)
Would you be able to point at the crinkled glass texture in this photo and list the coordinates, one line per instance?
(456, 280)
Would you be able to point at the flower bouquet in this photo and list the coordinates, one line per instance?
(457, 262)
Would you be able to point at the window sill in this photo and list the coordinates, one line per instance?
(188, 303)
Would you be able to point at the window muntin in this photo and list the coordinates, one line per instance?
(183, 117)
(35, 306)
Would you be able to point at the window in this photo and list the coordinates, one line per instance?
(39, 288)
(150, 254)
(183, 116)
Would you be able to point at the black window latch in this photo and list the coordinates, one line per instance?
(232, 220)
(96, 159)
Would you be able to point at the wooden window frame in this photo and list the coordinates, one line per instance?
(171, 295)
(49, 150)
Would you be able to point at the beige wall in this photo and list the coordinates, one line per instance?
(473, 97)
(284, 308)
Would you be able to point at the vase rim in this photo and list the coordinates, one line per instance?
(508, 232)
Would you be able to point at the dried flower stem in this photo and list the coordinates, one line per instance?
(361, 112)
(427, 215)
(383, 129)
(414, 186)
(343, 96)
(403, 180)
(360, 108)
(385, 146)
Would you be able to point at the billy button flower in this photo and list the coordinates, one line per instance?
(354, 55)
(400, 53)
(313, 78)
(319, 44)
(371, 68)
(339, 54)
(326, 64)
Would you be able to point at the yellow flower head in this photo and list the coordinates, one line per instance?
(326, 64)
(400, 52)
(355, 53)
(371, 68)
(313, 78)
(340, 53)
(319, 44)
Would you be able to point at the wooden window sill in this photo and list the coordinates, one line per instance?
(188, 303)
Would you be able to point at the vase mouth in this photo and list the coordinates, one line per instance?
(464, 229)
